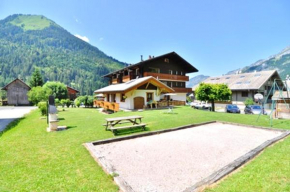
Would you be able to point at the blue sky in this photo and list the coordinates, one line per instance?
(214, 36)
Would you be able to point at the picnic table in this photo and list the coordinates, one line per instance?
(135, 121)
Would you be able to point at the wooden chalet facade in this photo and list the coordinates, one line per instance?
(17, 92)
(156, 76)
(72, 93)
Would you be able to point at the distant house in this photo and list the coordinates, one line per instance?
(282, 107)
(17, 92)
(134, 86)
(72, 93)
(246, 85)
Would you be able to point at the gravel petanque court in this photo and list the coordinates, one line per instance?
(175, 161)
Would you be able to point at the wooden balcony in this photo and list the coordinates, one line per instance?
(182, 90)
(163, 76)
(107, 105)
(114, 81)
(126, 78)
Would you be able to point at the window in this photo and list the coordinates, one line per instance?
(170, 71)
(123, 97)
(166, 60)
(228, 77)
(176, 72)
(154, 70)
(149, 96)
(242, 76)
(181, 73)
(239, 82)
(244, 93)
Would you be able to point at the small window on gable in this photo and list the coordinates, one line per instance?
(166, 60)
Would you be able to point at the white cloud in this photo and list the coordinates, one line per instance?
(84, 38)
(101, 39)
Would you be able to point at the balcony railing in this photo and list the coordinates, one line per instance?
(107, 105)
(182, 90)
(126, 78)
(114, 81)
(163, 76)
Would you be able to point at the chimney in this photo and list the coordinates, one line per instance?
(149, 57)
(141, 57)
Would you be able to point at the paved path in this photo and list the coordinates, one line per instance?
(8, 114)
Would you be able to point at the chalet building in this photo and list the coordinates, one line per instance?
(152, 79)
(72, 93)
(17, 92)
(246, 85)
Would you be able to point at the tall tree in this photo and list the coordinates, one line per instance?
(59, 90)
(212, 93)
(36, 79)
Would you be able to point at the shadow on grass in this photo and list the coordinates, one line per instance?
(11, 125)
(61, 119)
(131, 131)
(71, 127)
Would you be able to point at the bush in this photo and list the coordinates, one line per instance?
(68, 103)
(77, 103)
(249, 101)
(63, 102)
(57, 103)
(42, 107)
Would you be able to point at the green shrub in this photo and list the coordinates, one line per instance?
(57, 103)
(77, 103)
(249, 101)
(68, 103)
(63, 102)
(42, 107)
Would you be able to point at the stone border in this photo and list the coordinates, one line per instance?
(124, 186)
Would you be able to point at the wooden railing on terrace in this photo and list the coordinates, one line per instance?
(107, 105)
(114, 81)
(182, 90)
(163, 76)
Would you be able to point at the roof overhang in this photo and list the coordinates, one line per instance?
(129, 86)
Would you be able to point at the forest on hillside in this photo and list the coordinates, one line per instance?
(58, 55)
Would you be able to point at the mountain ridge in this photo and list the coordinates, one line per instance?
(34, 41)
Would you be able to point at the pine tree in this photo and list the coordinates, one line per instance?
(36, 79)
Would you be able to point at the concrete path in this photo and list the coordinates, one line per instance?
(9, 114)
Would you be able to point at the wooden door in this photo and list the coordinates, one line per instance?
(138, 102)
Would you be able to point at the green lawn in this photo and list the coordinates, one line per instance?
(32, 159)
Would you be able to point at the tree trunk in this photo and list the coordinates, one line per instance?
(212, 106)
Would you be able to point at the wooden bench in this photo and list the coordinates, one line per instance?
(115, 129)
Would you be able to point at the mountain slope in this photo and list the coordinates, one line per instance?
(195, 80)
(29, 41)
(280, 62)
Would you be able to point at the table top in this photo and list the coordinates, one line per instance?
(124, 118)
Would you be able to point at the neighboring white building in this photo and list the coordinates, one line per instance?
(246, 85)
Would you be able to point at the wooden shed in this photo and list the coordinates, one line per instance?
(17, 92)
(72, 93)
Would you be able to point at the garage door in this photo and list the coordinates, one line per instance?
(138, 102)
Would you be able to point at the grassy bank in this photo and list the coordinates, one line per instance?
(34, 160)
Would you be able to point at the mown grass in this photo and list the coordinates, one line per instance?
(35, 160)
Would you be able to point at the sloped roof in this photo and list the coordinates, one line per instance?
(280, 95)
(170, 55)
(68, 87)
(5, 88)
(134, 83)
(243, 81)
